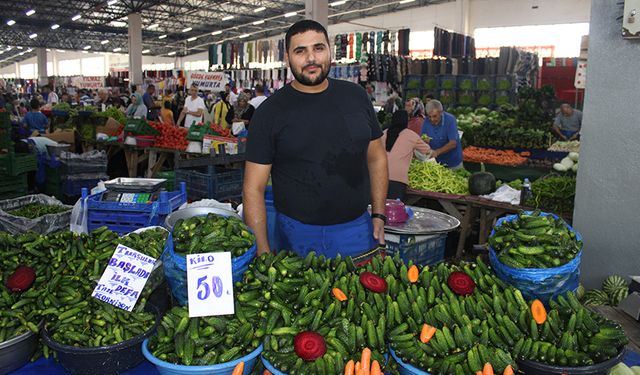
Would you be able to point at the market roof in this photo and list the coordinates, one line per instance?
(181, 26)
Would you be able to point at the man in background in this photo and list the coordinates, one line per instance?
(147, 98)
(255, 102)
(568, 123)
(442, 130)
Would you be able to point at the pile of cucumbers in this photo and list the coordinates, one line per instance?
(534, 240)
(211, 233)
(35, 210)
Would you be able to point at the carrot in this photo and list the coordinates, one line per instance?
(358, 366)
(413, 274)
(538, 311)
(508, 370)
(478, 372)
(350, 368)
(375, 368)
(267, 372)
(339, 294)
(365, 360)
(239, 369)
(360, 372)
(488, 369)
(427, 333)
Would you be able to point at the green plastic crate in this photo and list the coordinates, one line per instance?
(197, 133)
(139, 127)
(430, 83)
(13, 164)
(13, 186)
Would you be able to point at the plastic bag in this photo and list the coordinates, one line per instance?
(79, 217)
(505, 193)
(541, 283)
(208, 203)
(43, 224)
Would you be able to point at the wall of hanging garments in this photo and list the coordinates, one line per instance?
(272, 79)
(385, 68)
(450, 44)
(238, 55)
(358, 45)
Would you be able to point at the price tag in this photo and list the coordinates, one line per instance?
(124, 278)
(210, 284)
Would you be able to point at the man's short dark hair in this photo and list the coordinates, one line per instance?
(301, 27)
(260, 89)
(34, 103)
(151, 87)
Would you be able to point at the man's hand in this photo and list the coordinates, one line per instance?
(261, 251)
(378, 230)
(434, 153)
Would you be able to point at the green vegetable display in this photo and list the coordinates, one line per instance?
(62, 107)
(429, 176)
(535, 241)
(35, 210)
(203, 234)
(553, 193)
(114, 113)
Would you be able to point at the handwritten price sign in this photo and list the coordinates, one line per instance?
(210, 284)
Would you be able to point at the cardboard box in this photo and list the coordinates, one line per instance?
(211, 142)
(63, 136)
(110, 128)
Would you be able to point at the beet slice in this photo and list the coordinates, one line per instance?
(373, 282)
(309, 345)
(21, 279)
(461, 283)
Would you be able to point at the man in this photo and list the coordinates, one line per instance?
(52, 97)
(104, 99)
(255, 102)
(319, 139)
(371, 92)
(65, 98)
(442, 130)
(152, 108)
(193, 108)
(35, 120)
(233, 99)
(568, 123)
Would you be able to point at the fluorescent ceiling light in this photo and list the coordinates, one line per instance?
(336, 3)
(111, 2)
(21, 53)
(30, 12)
(171, 53)
(104, 42)
(54, 26)
(151, 27)
(33, 36)
(146, 51)
(117, 49)
(162, 36)
(60, 50)
(86, 47)
(9, 48)
(29, 50)
(48, 50)
(217, 32)
(19, 47)
(227, 18)
(11, 22)
(192, 39)
(85, 51)
(259, 22)
(118, 24)
(406, 1)
(187, 29)
(258, 10)
(290, 14)
(1, 52)
(76, 17)
(244, 36)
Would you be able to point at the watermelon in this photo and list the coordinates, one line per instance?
(595, 298)
(613, 282)
(618, 295)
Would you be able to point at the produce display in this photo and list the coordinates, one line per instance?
(171, 137)
(570, 163)
(35, 210)
(62, 107)
(497, 157)
(468, 118)
(622, 369)
(565, 146)
(535, 241)
(494, 135)
(614, 290)
(553, 193)
(430, 176)
(203, 234)
(114, 113)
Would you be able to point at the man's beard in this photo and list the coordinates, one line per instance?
(303, 79)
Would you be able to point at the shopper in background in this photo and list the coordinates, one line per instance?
(153, 110)
(255, 102)
(35, 120)
(568, 123)
(166, 114)
(442, 129)
(136, 109)
(233, 97)
(223, 112)
(193, 108)
(400, 143)
(319, 140)
(428, 98)
(52, 97)
(243, 110)
(415, 108)
(371, 92)
(65, 98)
(104, 99)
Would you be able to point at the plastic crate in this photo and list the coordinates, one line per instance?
(447, 82)
(430, 83)
(13, 164)
(413, 82)
(467, 82)
(73, 186)
(196, 133)
(485, 98)
(422, 250)
(217, 183)
(5, 120)
(466, 98)
(13, 184)
(504, 97)
(170, 176)
(504, 82)
(95, 163)
(139, 127)
(122, 222)
(167, 203)
(486, 83)
(447, 97)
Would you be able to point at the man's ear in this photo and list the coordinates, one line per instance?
(286, 59)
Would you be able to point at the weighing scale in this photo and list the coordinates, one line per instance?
(133, 190)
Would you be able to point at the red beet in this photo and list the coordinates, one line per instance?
(21, 279)
(309, 345)
(461, 283)
(373, 282)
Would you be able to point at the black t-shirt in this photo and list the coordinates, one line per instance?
(317, 146)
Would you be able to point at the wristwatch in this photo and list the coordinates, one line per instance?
(379, 216)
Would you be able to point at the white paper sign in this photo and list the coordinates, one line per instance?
(124, 278)
(210, 284)
(207, 80)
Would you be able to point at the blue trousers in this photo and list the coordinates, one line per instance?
(348, 239)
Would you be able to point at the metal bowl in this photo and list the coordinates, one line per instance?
(186, 213)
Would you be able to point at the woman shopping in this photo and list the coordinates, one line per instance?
(400, 143)
(136, 109)
(415, 108)
(223, 111)
(243, 110)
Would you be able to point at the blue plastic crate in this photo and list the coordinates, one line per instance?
(74, 187)
(216, 183)
(422, 250)
(122, 222)
(167, 203)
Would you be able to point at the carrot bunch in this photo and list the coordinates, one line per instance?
(364, 366)
(493, 156)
